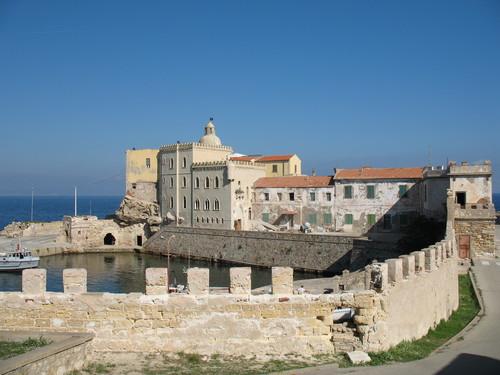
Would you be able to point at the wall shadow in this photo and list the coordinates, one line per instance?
(468, 364)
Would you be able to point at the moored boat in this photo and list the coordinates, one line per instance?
(17, 260)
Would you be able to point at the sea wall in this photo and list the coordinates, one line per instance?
(316, 253)
(407, 297)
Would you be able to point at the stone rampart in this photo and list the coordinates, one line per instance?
(407, 297)
(316, 253)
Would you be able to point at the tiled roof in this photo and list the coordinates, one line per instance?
(265, 158)
(294, 182)
(379, 174)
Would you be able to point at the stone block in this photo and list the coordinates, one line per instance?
(75, 280)
(34, 281)
(430, 259)
(282, 280)
(240, 280)
(395, 269)
(198, 280)
(408, 266)
(358, 357)
(419, 261)
(156, 280)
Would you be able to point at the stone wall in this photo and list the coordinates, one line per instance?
(308, 252)
(407, 297)
(481, 232)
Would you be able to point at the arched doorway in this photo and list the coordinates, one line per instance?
(109, 239)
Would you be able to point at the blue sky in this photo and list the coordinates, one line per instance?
(341, 83)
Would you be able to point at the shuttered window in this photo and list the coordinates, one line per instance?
(311, 218)
(403, 191)
(265, 217)
(327, 219)
(371, 219)
(348, 219)
(348, 192)
(370, 192)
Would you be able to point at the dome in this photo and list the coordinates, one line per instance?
(210, 138)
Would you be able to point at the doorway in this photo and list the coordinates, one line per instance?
(109, 239)
(237, 224)
(460, 197)
(464, 246)
(139, 240)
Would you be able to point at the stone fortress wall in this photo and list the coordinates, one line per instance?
(404, 298)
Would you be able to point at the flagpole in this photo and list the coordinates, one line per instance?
(75, 202)
(32, 194)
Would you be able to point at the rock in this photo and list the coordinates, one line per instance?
(135, 211)
(358, 357)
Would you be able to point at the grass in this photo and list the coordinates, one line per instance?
(421, 348)
(94, 369)
(10, 349)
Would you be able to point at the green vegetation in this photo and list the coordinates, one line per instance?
(95, 368)
(418, 349)
(10, 349)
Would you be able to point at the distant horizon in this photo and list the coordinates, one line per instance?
(339, 83)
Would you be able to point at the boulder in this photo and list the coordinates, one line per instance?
(135, 211)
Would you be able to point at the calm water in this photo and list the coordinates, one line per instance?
(54, 208)
(124, 272)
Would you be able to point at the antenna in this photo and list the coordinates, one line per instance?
(75, 202)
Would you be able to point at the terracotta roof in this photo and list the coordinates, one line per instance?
(294, 182)
(265, 158)
(379, 174)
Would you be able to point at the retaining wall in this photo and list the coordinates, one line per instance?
(407, 296)
(316, 253)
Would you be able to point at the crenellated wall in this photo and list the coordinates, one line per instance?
(407, 296)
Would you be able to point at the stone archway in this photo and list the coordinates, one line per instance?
(109, 239)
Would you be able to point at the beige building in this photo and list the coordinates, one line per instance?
(371, 200)
(141, 174)
(276, 165)
(200, 186)
(289, 202)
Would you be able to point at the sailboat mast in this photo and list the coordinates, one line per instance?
(75, 202)
(32, 198)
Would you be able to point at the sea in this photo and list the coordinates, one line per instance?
(52, 208)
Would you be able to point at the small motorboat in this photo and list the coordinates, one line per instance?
(18, 260)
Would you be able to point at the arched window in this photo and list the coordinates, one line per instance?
(222, 221)
(171, 163)
(184, 202)
(171, 182)
(171, 202)
(207, 205)
(212, 220)
(184, 163)
(197, 219)
(184, 182)
(216, 182)
(207, 182)
(197, 183)
(217, 220)
(202, 219)
(216, 205)
(197, 204)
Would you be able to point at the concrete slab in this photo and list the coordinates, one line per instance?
(358, 357)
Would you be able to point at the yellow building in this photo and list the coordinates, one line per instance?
(141, 174)
(276, 165)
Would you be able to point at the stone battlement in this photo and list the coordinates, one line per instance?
(239, 323)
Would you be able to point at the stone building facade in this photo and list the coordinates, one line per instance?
(141, 174)
(474, 213)
(371, 200)
(290, 202)
(200, 186)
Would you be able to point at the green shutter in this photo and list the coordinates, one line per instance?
(348, 219)
(371, 219)
(370, 192)
(327, 219)
(265, 217)
(348, 192)
(311, 218)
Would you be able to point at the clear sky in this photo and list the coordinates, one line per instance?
(341, 83)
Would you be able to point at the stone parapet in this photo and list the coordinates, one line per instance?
(198, 280)
(156, 280)
(75, 280)
(34, 281)
(240, 280)
(282, 280)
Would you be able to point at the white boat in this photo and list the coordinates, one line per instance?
(17, 260)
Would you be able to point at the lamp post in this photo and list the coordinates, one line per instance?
(168, 256)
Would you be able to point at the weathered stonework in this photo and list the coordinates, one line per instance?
(156, 281)
(240, 280)
(198, 280)
(75, 280)
(282, 280)
(34, 281)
